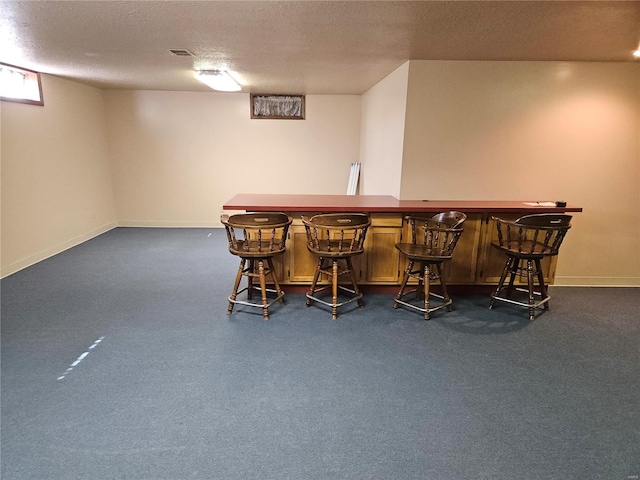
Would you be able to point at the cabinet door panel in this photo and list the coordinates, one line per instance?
(381, 256)
(301, 263)
(461, 269)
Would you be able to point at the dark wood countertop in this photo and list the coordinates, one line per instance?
(482, 206)
(380, 204)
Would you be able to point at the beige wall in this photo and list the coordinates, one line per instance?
(56, 177)
(472, 130)
(382, 134)
(535, 131)
(178, 156)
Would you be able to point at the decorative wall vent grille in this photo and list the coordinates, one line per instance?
(286, 107)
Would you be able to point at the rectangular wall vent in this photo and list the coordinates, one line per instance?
(181, 52)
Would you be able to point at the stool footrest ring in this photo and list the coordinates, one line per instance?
(355, 297)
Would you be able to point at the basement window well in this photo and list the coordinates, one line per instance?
(20, 85)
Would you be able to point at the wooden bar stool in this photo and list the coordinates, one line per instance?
(334, 237)
(528, 240)
(433, 240)
(256, 238)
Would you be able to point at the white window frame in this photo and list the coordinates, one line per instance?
(20, 85)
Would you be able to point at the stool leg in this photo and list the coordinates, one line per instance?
(420, 286)
(503, 277)
(279, 291)
(443, 285)
(334, 288)
(543, 287)
(316, 275)
(515, 265)
(236, 285)
(251, 273)
(530, 274)
(352, 274)
(426, 275)
(405, 279)
(263, 290)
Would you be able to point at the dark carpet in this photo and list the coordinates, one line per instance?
(119, 362)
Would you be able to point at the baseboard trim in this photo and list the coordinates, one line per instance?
(56, 249)
(597, 281)
(143, 224)
(560, 281)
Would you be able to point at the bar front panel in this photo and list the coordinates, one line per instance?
(474, 261)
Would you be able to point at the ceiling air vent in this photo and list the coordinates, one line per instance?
(181, 52)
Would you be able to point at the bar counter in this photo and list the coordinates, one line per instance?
(474, 262)
(257, 202)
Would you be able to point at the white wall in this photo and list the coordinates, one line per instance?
(535, 131)
(382, 134)
(56, 177)
(178, 156)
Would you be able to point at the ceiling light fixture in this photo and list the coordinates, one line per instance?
(218, 80)
(636, 54)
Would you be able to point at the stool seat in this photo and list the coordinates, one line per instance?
(433, 240)
(256, 238)
(255, 248)
(419, 252)
(526, 241)
(525, 249)
(335, 237)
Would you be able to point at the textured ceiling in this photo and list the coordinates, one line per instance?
(331, 47)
